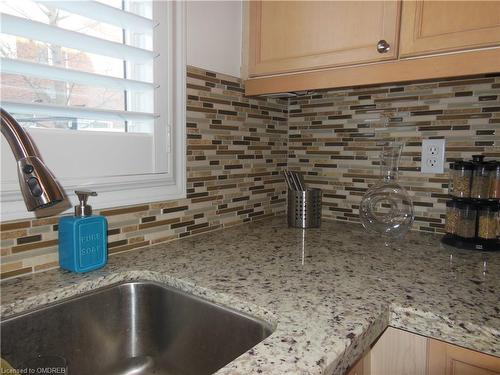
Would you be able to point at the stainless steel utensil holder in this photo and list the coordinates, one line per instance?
(304, 208)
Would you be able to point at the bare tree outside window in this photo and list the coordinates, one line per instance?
(31, 89)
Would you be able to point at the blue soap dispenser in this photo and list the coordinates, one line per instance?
(83, 238)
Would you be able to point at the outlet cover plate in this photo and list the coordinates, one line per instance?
(433, 155)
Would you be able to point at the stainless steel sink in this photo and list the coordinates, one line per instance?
(130, 328)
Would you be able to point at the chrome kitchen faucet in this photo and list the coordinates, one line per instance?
(38, 185)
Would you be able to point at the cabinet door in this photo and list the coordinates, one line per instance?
(447, 359)
(357, 369)
(362, 367)
(429, 26)
(287, 36)
(399, 352)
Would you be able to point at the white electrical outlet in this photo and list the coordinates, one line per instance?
(432, 156)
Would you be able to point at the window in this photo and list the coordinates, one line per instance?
(100, 87)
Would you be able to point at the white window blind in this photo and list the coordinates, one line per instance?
(96, 85)
(80, 65)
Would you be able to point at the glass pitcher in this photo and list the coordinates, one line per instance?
(386, 207)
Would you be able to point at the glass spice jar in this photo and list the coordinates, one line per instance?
(460, 179)
(498, 224)
(466, 220)
(480, 178)
(452, 217)
(488, 221)
(495, 180)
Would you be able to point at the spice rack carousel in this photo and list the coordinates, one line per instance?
(473, 211)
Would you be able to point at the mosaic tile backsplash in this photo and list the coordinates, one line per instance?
(236, 149)
(238, 146)
(335, 137)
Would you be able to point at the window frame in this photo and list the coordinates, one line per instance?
(170, 106)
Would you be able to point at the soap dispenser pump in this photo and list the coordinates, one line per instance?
(83, 237)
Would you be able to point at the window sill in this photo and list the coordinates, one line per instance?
(112, 192)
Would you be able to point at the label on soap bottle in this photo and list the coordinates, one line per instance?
(91, 250)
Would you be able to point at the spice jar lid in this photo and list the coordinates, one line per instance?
(492, 165)
(460, 165)
(452, 203)
(465, 205)
(489, 206)
(479, 163)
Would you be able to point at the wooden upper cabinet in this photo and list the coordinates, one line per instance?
(429, 26)
(308, 45)
(289, 36)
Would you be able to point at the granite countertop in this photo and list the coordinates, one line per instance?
(328, 292)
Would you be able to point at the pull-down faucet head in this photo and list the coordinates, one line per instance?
(38, 185)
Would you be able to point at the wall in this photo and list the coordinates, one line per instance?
(334, 137)
(236, 147)
(221, 21)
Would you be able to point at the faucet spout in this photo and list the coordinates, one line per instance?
(19, 142)
(38, 185)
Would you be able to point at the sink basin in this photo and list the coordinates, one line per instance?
(130, 328)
